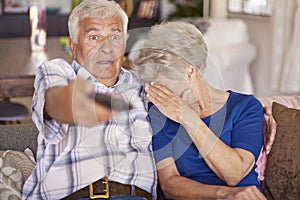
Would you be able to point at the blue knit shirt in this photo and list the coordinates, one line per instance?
(238, 124)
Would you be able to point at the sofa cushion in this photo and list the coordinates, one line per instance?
(15, 167)
(282, 176)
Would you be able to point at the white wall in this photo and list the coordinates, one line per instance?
(218, 9)
(260, 33)
(64, 5)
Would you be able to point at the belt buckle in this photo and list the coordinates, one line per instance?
(105, 191)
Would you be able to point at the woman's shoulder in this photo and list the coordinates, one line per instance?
(237, 98)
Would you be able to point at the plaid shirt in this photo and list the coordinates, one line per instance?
(70, 157)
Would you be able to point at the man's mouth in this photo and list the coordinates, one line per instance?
(105, 62)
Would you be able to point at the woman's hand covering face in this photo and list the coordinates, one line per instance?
(170, 104)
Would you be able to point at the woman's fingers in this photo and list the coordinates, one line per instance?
(165, 100)
(159, 92)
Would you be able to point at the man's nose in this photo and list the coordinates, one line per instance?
(105, 46)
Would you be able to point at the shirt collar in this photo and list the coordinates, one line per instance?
(83, 73)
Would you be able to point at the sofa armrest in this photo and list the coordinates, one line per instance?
(288, 101)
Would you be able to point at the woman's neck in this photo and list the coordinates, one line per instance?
(210, 99)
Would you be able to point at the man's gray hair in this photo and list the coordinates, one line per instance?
(94, 9)
(170, 47)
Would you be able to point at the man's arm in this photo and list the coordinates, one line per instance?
(269, 129)
(175, 186)
(72, 104)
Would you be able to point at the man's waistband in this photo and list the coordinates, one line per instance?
(104, 189)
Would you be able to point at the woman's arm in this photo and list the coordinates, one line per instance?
(229, 164)
(175, 186)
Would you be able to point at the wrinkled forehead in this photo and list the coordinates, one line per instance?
(101, 25)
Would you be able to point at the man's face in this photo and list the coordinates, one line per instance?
(100, 48)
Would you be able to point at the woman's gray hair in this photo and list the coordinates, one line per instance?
(169, 48)
(94, 9)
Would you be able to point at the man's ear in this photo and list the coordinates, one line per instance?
(73, 47)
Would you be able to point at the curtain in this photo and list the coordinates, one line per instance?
(285, 75)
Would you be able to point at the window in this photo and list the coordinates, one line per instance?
(252, 7)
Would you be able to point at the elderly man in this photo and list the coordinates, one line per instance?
(80, 141)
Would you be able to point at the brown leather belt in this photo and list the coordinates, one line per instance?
(104, 189)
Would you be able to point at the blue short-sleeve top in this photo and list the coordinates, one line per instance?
(238, 124)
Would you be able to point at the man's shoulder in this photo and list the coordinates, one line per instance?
(57, 62)
(56, 66)
(130, 76)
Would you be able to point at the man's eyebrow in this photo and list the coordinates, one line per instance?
(116, 29)
(91, 29)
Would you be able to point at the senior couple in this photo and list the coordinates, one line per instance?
(198, 141)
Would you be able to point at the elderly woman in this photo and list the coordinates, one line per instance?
(205, 140)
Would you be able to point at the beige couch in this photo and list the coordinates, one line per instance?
(282, 175)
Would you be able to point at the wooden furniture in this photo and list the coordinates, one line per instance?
(10, 111)
(18, 64)
(18, 25)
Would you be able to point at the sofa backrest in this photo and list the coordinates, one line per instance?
(18, 137)
(288, 101)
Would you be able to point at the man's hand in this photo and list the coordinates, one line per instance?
(73, 104)
(85, 110)
(269, 129)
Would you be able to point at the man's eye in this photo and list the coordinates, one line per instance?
(94, 37)
(115, 37)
